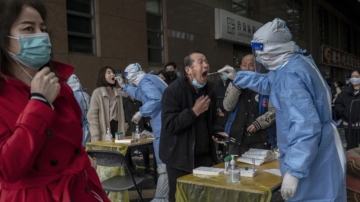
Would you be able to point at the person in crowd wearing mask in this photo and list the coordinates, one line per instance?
(148, 89)
(41, 156)
(189, 115)
(338, 86)
(347, 82)
(171, 70)
(84, 102)
(343, 104)
(106, 107)
(312, 160)
(252, 117)
(164, 76)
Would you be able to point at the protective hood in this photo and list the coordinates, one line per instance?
(134, 73)
(277, 45)
(74, 82)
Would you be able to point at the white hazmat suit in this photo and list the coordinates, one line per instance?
(312, 159)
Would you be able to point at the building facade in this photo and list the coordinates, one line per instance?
(90, 34)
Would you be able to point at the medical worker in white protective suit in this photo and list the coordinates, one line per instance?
(312, 160)
(148, 89)
(84, 101)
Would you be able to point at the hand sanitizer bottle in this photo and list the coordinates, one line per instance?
(137, 133)
(233, 175)
(227, 164)
(108, 136)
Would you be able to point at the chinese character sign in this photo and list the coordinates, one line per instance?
(232, 27)
(338, 58)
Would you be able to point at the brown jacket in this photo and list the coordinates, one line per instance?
(98, 115)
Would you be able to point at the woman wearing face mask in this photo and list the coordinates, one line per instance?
(40, 159)
(343, 104)
(106, 107)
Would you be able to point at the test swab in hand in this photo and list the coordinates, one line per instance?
(213, 73)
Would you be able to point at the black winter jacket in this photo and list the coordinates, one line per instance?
(131, 106)
(220, 90)
(343, 103)
(177, 140)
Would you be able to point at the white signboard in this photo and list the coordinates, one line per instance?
(232, 27)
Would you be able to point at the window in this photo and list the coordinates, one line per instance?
(295, 18)
(321, 14)
(355, 44)
(346, 37)
(80, 26)
(242, 8)
(321, 23)
(154, 32)
(334, 22)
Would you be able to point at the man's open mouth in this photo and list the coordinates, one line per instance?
(204, 75)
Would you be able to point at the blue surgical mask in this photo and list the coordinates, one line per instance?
(197, 84)
(223, 77)
(35, 49)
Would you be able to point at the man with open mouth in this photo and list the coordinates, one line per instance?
(189, 121)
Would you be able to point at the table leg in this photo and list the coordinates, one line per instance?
(129, 157)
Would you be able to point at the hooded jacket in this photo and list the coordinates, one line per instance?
(309, 143)
(84, 102)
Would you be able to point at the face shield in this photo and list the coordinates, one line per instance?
(256, 49)
(134, 78)
(133, 73)
(130, 77)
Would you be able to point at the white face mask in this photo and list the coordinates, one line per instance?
(355, 81)
(134, 78)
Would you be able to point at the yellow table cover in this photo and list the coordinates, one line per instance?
(108, 172)
(205, 188)
(201, 188)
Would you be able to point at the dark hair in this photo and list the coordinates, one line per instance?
(170, 64)
(166, 75)
(9, 12)
(340, 84)
(188, 61)
(356, 70)
(101, 82)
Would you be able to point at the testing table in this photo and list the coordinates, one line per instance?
(108, 172)
(204, 188)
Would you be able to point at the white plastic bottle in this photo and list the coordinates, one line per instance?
(233, 175)
(108, 136)
(137, 133)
